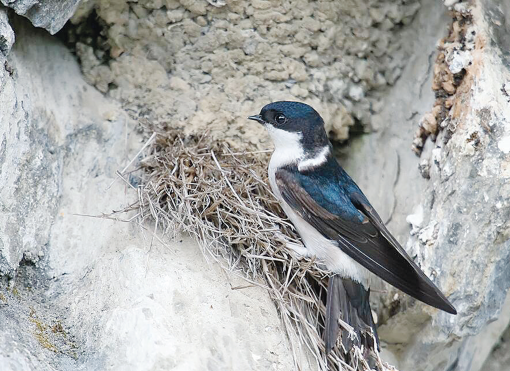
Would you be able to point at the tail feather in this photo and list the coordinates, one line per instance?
(348, 301)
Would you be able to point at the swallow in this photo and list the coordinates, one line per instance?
(337, 225)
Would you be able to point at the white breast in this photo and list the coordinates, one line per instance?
(326, 250)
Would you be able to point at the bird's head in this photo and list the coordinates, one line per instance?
(293, 121)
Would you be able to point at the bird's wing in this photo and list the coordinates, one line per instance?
(349, 219)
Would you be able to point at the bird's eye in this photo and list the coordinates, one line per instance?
(280, 119)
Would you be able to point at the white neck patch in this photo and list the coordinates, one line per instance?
(287, 147)
(320, 158)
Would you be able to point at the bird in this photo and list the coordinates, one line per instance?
(337, 224)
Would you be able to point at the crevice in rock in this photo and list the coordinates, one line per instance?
(90, 32)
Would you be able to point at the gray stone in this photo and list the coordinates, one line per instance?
(499, 359)
(49, 14)
(30, 182)
(6, 34)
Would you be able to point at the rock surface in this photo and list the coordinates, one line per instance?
(80, 292)
(459, 218)
(500, 356)
(6, 34)
(48, 14)
(90, 293)
(197, 65)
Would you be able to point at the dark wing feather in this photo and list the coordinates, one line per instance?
(363, 237)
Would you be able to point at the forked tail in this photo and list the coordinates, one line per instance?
(349, 301)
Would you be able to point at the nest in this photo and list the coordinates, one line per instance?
(220, 197)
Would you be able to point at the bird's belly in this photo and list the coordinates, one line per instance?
(326, 250)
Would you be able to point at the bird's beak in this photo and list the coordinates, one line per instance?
(257, 118)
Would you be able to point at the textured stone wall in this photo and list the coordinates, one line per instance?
(208, 65)
(29, 182)
(85, 292)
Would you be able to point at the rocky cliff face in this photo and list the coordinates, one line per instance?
(85, 292)
(457, 214)
(81, 292)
